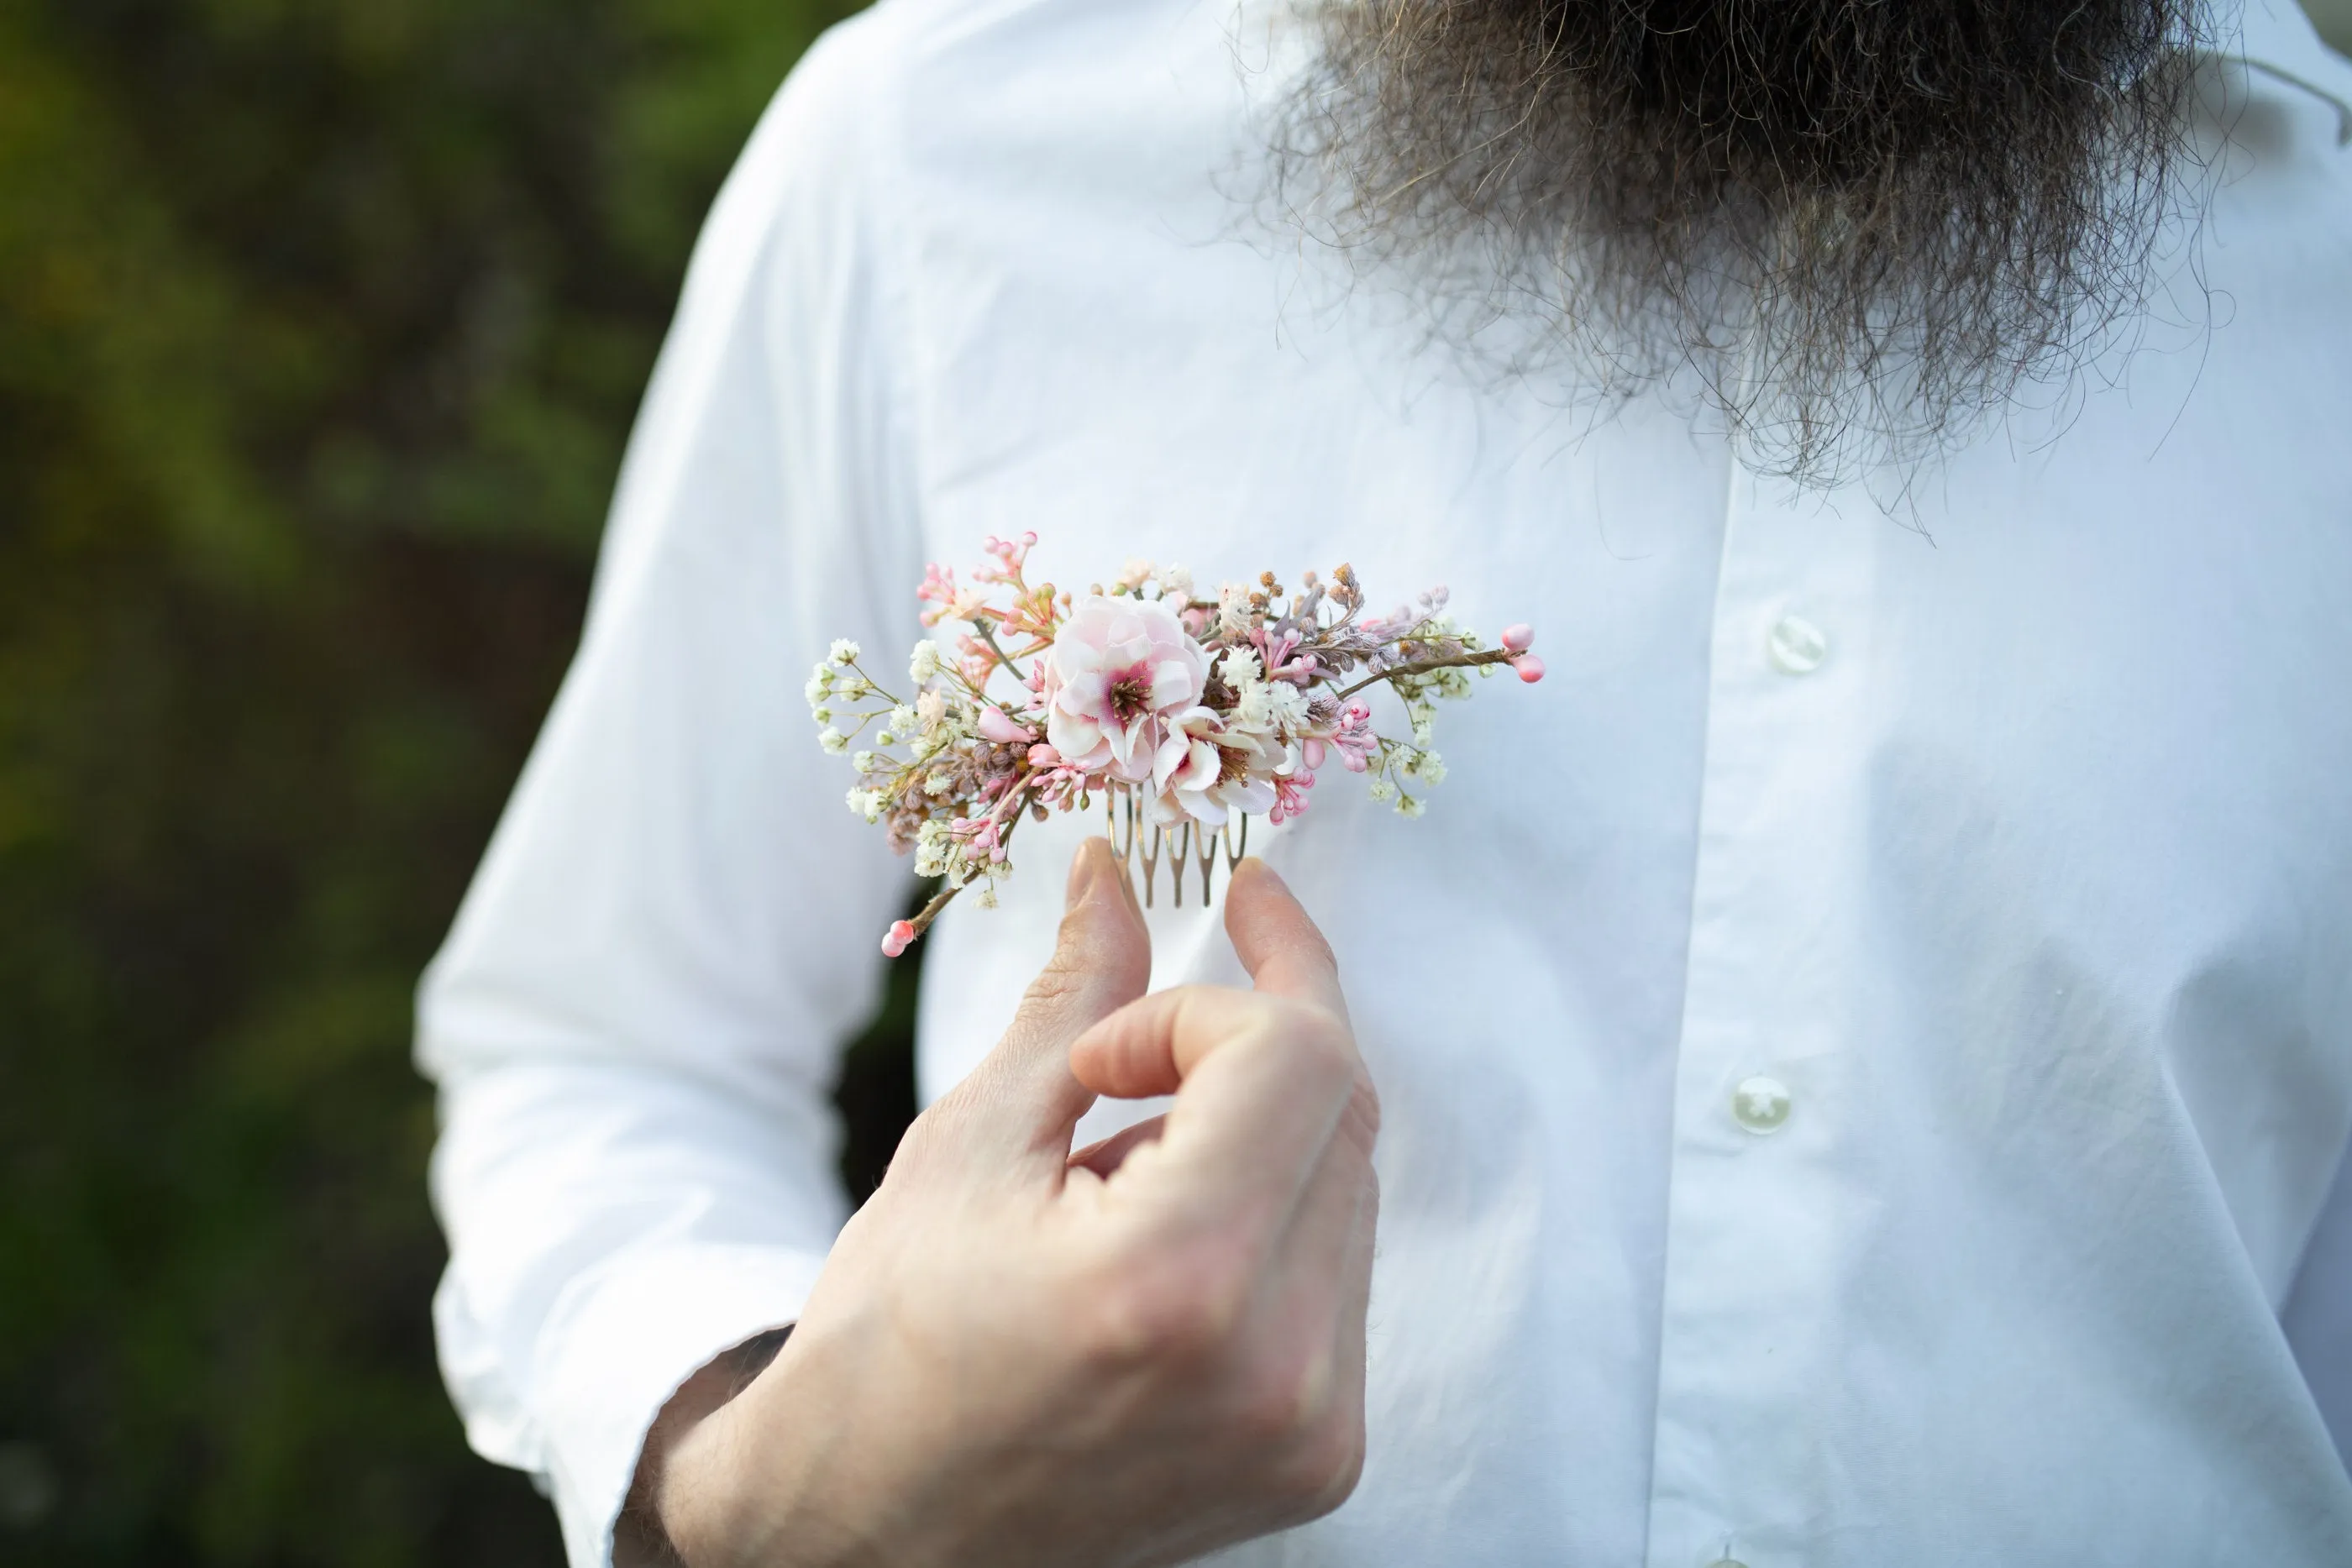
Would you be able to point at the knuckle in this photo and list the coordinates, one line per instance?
(1276, 1410)
(1327, 1466)
(1314, 1440)
(1363, 1113)
(1059, 983)
(1320, 1044)
(1305, 938)
(1320, 945)
(919, 1144)
(1177, 1313)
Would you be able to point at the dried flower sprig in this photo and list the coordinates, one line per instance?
(1189, 715)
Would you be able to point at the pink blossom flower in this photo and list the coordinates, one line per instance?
(895, 940)
(947, 601)
(1207, 769)
(1118, 671)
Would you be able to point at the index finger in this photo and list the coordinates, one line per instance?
(1277, 942)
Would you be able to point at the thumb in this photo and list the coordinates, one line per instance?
(1017, 1109)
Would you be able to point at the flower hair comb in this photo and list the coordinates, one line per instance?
(1187, 716)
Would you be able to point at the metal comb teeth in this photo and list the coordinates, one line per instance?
(1131, 839)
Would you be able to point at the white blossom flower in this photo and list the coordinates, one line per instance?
(1430, 768)
(1408, 806)
(904, 720)
(819, 688)
(1380, 790)
(833, 740)
(1207, 769)
(1176, 583)
(844, 652)
(925, 664)
(1286, 704)
(1232, 609)
(931, 845)
(822, 714)
(866, 762)
(1252, 706)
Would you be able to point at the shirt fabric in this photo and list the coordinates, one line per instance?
(1866, 1045)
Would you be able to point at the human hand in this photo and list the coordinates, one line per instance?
(1130, 1356)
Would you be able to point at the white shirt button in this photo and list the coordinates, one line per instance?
(1761, 1104)
(1797, 646)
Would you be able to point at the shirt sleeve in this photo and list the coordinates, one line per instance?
(635, 1019)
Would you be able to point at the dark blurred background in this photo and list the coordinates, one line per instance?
(321, 324)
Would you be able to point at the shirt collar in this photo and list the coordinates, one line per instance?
(2277, 40)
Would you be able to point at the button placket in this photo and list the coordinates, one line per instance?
(1756, 1192)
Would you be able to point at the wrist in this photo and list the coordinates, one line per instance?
(751, 1483)
(675, 1483)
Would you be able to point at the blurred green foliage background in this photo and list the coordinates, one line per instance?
(321, 324)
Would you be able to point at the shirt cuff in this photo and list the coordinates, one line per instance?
(623, 1342)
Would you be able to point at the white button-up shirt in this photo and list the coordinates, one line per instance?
(1866, 1044)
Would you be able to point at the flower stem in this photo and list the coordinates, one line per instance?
(1424, 667)
(930, 911)
(988, 634)
(946, 895)
(872, 685)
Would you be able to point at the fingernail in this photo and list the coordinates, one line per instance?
(1083, 868)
